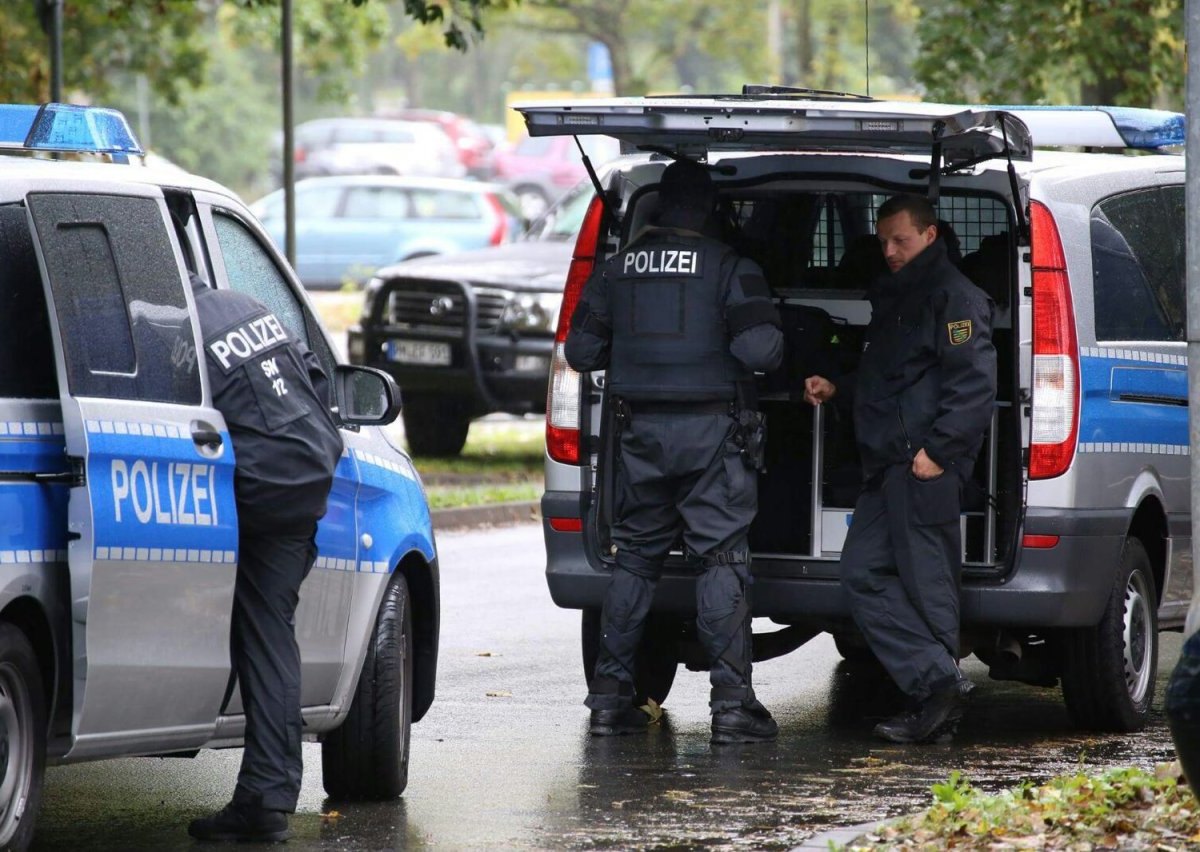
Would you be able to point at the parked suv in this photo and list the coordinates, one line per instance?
(118, 528)
(1077, 526)
(470, 333)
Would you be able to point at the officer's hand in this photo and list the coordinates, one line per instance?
(923, 467)
(818, 389)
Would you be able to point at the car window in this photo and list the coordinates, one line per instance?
(312, 202)
(119, 298)
(563, 220)
(534, 146)
(443, 204)
(252, 271)
(355, 133)
(376, 202)
(1137, 266)
(26, 347)
(396, 135)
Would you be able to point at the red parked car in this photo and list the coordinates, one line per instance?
(539, 170)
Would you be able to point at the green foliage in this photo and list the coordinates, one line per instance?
(1127, 52)
(104, 41)
(1122, 808)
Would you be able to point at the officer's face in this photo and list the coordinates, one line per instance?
(901, 239)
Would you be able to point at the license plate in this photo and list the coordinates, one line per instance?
(419, 352)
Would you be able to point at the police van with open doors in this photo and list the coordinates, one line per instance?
(1076, 522)
(118, 528)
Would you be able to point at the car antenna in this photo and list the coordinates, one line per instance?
(603, 196)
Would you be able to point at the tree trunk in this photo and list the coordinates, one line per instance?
(804, 71)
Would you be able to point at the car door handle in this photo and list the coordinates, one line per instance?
(206, 437)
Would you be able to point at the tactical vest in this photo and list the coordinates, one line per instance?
(285, 442)
(667, 301)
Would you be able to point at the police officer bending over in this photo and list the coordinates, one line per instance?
(678, 319)
(274, 397)
(923, 399)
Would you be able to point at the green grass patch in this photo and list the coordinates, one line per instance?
(1120, 809)
(502, 451)
(502, 462)
(453, 497)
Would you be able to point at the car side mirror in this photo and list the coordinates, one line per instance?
(365, 396)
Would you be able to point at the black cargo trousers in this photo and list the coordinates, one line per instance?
(680, 473)
(266, 659)
(901, 568)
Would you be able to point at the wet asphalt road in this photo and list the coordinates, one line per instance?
(503, 759)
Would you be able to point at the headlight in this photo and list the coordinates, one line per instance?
(532, 312)
(370, 293)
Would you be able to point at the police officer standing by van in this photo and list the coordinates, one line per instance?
(922, 400)
(275, 400)
(680, 322)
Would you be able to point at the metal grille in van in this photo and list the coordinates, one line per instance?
(442, 305)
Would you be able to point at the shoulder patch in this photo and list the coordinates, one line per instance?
(959, 332)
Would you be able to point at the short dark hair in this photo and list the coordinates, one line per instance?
(918, 207)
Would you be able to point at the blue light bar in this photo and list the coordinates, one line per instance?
(66, 127)
(1127, 127)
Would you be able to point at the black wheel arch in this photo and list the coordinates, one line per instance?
(1149, 525)
(425, 599)
(28, 616)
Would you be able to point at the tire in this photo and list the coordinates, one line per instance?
(366, 758)
(1108, 671)
(436, 425)
(657, 658)
(22, 738)
(531, 201)
(854, 650)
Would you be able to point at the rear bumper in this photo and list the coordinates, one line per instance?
(1064, 586)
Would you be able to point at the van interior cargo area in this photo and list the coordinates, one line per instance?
(819, 253)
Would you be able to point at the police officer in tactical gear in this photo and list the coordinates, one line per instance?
(679, 321)
(922, 400)
(275, 400)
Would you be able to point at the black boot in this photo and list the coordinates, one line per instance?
(934, 719)
(236, 822)
(623, 720)
(749, 723)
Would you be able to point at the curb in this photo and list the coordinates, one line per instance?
(494, 514)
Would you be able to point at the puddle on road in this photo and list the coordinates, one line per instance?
(672, 789)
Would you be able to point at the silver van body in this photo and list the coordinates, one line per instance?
(1069, 571)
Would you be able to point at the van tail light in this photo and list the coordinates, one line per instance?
(564, 398)
(299, 155)
(1055, 420)
(501, 229)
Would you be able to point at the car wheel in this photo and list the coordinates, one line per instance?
(435, 425)
(657, 657)
(531, 201)
(22, 738)
(854, 649)
(367, 756)
(1108, 670)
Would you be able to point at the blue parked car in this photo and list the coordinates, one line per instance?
(350, 225)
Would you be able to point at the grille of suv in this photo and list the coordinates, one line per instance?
(442, 305)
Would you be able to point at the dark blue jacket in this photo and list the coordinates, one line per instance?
(927, 376)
